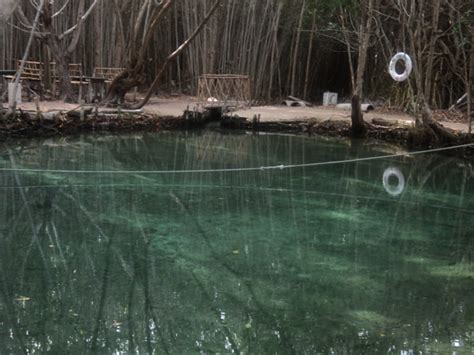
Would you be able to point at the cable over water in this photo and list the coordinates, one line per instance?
(233, 170)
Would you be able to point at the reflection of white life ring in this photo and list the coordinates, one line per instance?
(394, 190)
(393, 66)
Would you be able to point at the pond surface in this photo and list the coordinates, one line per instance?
(358, 257)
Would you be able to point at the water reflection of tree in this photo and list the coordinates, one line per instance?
(155, 266)
(428, 176)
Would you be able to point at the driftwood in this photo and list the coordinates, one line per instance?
(296, 102)
(462, 102)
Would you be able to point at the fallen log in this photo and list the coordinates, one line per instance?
(384, 123)
(296, 102)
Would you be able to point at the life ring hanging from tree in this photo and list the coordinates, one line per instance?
(405, 58)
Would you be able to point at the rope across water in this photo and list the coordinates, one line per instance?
(234, 170)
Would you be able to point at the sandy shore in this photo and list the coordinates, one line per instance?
(174, 107)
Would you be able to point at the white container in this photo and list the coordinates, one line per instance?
(330, 98)
(11, 98)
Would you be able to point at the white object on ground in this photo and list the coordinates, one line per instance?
(11, 95)
(330, 98)
(392, 69)
(393, 190)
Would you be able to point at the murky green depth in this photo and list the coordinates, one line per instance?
(305, 260)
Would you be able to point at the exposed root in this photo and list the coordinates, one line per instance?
(432, 134)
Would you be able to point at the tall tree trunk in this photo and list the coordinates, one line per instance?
(297, 47)
(310, 52)
(133, 75)
(61, 51)
(358, 125)
(348, 44)
(61, 73)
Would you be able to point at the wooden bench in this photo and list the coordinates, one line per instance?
(75, 70)
(76, 75)
(31, 77)
(34, 75)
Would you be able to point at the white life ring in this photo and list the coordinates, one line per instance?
(392, 69)
(393, 190)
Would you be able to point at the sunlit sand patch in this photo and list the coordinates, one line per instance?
(364, 283)
(369, 320)
(342, 216)
(415, 237)
(420, 260)
(460, 270)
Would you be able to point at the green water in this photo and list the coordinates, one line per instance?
(307, 260)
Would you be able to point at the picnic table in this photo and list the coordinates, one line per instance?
(91, 88)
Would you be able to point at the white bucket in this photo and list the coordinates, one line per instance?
(11, 98)
(330, 99)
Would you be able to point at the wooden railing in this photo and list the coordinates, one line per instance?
(225, 89)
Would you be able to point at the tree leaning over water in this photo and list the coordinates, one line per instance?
(133, 74)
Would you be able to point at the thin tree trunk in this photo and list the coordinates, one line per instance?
(297, 46)
(310, 52)
(61, 74)
(431, 54)
(347, 41)
(274, 51)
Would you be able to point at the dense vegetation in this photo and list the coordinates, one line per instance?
(299, 47)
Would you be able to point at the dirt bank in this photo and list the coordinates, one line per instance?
(175, 106)
(168, 113)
